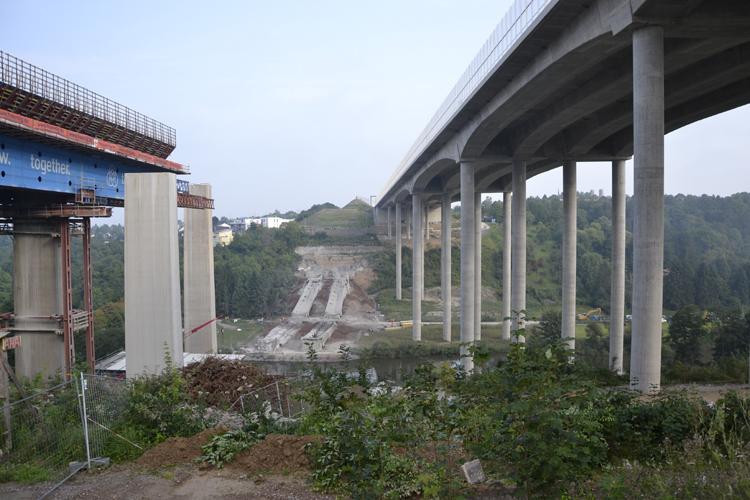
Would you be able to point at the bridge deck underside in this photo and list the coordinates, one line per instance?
(553, 100)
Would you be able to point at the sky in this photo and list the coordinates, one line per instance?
(282, 105)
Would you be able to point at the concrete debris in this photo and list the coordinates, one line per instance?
(473, 472)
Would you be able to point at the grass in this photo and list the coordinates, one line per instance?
(402, 309)
(399, 343)
(351, 216)
(227, 342)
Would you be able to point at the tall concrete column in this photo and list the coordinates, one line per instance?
(417, 266)
(507, 285)
(398, 251)
(648, 233)
(152, 273)
(408, 223)
(478, 266)
(445, 264)
(617, 312)
(570, 215)
(389, 222)
(468, 240)
(518, 300)
(426, 237)
(37, 293)
(199, 294)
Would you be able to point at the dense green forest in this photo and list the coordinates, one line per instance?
(706, 252)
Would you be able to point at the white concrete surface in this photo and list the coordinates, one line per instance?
(153, 319)
(198, 270)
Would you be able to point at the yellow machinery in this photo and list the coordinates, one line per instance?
(591, 315)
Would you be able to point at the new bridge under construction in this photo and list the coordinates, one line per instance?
(68, 154)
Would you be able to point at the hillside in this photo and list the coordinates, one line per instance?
(354, 215)
(706, 256)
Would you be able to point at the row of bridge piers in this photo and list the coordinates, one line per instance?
(648, 238)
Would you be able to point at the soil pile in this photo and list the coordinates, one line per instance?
(277, 453)
(178, 450)
(223, 381)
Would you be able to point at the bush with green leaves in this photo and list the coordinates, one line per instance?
(161, 407)
(544, 431)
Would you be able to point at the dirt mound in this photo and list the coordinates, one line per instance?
(223, 381)
(278, 452)
(178, 450)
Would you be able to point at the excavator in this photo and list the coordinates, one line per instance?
(589, 315)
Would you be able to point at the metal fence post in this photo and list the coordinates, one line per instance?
(85, 423)
(278, 395)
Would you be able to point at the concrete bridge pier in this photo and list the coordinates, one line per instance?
(389, 222)
(38, 296)
(648, 234)
(478, 266)
(617, 313)
(152, 273)
(518, 300)
(445, 264)
(468, 240)
(570, 213)
(425, 221)
(507, 285)
(199, 293)
(408, 223)
(398, 251)
(417, 266)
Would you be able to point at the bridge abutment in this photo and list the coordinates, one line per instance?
(648, 235)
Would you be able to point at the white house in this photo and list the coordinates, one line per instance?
(274, 222)
(243, 223)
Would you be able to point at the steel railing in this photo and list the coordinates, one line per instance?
(36, 81)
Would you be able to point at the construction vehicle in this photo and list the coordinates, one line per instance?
(588, 315)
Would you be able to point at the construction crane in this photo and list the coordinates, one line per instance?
(588, 315)
(186, 335)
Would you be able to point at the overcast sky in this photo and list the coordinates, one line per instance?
(284, 104)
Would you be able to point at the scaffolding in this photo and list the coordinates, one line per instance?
(35, 93)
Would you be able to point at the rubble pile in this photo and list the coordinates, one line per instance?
(222, 381)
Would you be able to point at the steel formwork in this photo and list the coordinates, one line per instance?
(38, 94)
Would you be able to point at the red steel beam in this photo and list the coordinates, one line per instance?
(70, 351)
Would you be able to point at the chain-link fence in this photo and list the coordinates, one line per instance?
(105, 400)
(42, 435)
(274, 400)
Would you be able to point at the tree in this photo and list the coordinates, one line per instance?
(548, 331)
(732, 335)
(678, 285)
(687, 333)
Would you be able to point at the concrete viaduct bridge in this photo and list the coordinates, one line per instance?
(560, 82)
